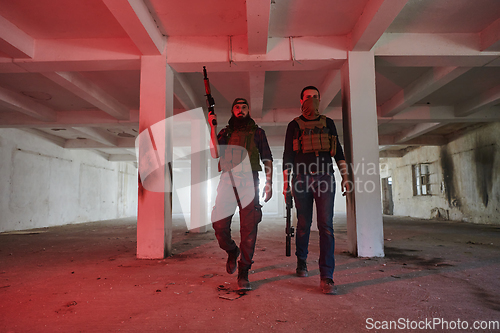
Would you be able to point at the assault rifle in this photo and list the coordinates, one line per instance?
(210, 99)
(289, 228)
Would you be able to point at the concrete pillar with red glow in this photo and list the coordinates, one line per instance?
(154, 216)
(359, 113)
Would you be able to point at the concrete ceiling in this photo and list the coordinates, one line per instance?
(70, 69)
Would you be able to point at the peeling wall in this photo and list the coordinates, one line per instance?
(43, 185)
(465, 179)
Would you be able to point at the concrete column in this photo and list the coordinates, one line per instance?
(359, 112)
(199, 219)
(154, 216)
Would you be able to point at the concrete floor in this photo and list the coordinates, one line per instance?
(86, 278)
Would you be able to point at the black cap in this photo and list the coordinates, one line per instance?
(239, 101)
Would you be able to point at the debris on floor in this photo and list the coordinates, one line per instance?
(230, 294)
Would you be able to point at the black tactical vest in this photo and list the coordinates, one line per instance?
(314, 137)
(240, 142)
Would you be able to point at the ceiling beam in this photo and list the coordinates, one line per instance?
(478, 103)
(89, 92)
(26, 105)
(7, 65)
(257, 85)
(100, 153)
(490, 37)
(78, 55)
(184, 54)
(258, 12)
(14, 42)
(92, 144)
(416, 131)
(427, 44)
(329, 89)
(136, 20)
(424, 113)
(99, 135)
(94, 118)
(190, 54)
(274, 117)
(376, 18)
(57, 140)
(429, 82)
(129, 143)
(431, 50)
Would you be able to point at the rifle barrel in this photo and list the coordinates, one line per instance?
(208, 94)
(289, 228)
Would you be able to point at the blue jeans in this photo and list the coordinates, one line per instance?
(321, 189)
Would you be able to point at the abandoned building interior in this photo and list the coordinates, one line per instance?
(413, 87)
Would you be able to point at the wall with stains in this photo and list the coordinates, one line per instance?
(465, 178)
(42, 184)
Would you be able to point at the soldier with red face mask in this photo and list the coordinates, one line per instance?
(310, 143)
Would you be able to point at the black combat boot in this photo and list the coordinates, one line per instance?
(301, 268)
(232, 256)
(243, 283)
(328, 287)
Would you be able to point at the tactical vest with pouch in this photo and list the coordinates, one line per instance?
(240, 142)
(314, 137)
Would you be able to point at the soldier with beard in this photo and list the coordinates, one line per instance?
(241, 146)
(310, 143)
